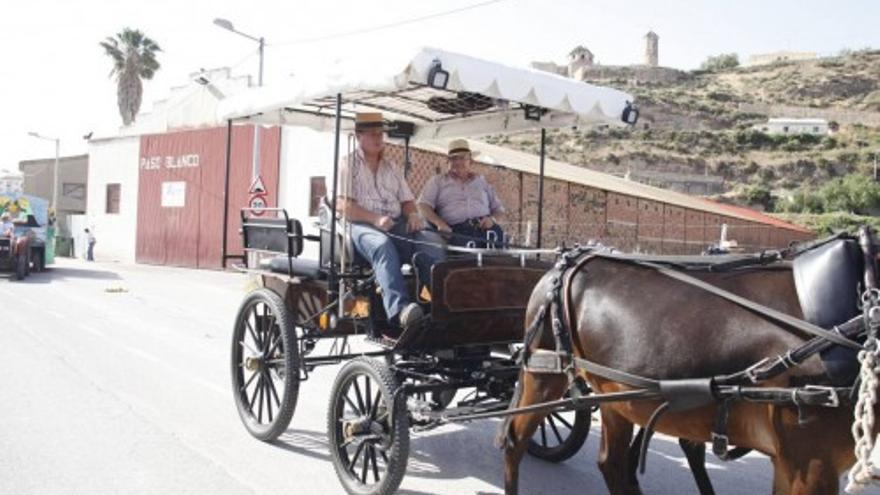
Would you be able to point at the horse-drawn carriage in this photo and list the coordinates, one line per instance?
(481, 299)
(478, 296)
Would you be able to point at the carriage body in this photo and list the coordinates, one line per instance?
(467, 341)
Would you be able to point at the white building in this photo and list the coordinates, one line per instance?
(11, 182)
(818, 127)
(114, 155)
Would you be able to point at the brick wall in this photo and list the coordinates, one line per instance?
(577, 213)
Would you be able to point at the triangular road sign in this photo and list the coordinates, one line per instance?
(257, 186)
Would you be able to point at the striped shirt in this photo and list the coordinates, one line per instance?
(381, 192)
(457, 200)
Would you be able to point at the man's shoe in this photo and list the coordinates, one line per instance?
(410, 315)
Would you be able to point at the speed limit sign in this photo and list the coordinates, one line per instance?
(257, 203)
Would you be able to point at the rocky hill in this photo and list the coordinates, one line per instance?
(695, 134)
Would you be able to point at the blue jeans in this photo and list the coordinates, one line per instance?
(386, 255)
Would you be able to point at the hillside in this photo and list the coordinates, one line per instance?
(696, 134)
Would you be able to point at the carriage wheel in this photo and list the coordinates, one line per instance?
(368, 436)
(560, 435)
(265, 365)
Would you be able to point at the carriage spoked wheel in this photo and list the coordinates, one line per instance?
(368, 434)
(561, 435)
(265, 365)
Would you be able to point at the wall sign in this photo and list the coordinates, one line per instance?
(174, 194)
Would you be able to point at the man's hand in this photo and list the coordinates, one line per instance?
(384, 223)
(414, 222)
(444, 227)
(487, 223)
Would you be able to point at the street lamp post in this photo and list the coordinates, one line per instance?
(55, 169)
(227, 25)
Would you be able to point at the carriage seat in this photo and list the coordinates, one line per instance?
(295, 267)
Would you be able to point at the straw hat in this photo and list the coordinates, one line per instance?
(457, 146)
(368, 120)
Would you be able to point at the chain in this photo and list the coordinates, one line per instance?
(863, 472)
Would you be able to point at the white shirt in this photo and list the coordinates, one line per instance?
(381, 192)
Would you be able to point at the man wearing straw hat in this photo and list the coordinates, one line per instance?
(375, 197)
(462, 202)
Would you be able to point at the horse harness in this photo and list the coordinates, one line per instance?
(686, 394)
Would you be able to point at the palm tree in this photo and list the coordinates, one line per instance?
(134, 58)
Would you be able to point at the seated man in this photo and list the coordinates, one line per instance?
(375, 197)
(462, 202)
(7, 228)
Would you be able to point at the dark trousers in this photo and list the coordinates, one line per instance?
(90, 254)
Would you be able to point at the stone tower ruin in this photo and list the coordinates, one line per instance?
(652, 50)
(578, 59)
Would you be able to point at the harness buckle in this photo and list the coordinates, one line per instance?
(720, 443)
(833, 396)
(752, 371)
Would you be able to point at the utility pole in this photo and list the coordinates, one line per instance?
(55, 169)
(227, 25)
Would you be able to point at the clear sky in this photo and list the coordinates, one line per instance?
(54, 74)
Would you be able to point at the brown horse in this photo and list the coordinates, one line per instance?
(635, 319)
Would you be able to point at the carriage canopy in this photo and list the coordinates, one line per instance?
(443, 94)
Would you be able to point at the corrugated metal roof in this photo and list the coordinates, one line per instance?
(526, 162)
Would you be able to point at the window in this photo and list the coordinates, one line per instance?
(112, 199)
(815, 129)
(318, 190)
(73, 190)
(785, 129)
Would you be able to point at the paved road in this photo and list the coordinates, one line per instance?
(115, 380)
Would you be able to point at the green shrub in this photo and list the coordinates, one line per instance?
(759, 195)
(720, 62)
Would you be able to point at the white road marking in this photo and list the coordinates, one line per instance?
(210, 386)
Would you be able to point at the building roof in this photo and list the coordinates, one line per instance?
(40, 161)
(786, 120)
(526, 162)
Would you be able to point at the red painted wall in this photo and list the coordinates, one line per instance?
(189, 233)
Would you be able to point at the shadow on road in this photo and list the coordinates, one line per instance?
(458, 452)
(308, 443)
(59, 273)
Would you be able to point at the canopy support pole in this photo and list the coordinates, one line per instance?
(541, 186)
(331, 278)
(407, 163)
(224, 252)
